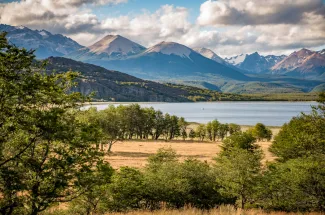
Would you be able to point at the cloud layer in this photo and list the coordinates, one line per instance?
(227, 26)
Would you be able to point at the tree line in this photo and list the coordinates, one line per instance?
(127, 122)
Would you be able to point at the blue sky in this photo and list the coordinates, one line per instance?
(228, 27)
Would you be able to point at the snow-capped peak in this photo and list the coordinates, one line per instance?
(208, 53)
(20, 27)
(171, 48)
(322, 52)
(43, 33)
(116, 44)
(236, 59)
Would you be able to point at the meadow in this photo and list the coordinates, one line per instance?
(222, 210)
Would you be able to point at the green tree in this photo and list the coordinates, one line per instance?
(295, 185)
(238, 172)
(215, 129)
(240, 140)
(302, 136)
(182, 124)
(159, 125)
(223, 130)
(45, 150)
(209, 131)
(94, 199)
(200, 132)
(261, 132)
(126, 189)
(233, 128)
(149, 122)
(192, 134)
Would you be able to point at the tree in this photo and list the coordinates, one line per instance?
(233, 128)
(126, 189)
(300, 180)
(44, 148)
(149, 121)
(223, 130)
(192, 134)
(209, 131)
(237, 173)
(159, 125)
(260, 132)
(110, 124)
(200, 132)
(215, 129)
(94, 199)
(182, 124)
(240, 140)
(184, 134)
(302, 136)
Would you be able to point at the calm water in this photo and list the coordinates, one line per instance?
(242, 113)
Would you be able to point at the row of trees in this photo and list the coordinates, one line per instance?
(215, 130)
(132, 121)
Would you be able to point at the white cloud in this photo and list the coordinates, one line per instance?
(226, 26)
(258, 12)
(278, 26)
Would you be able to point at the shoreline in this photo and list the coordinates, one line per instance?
(200, 102)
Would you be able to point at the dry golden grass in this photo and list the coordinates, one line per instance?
(135, 153)
(223, 210)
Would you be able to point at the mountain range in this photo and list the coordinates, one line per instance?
(45, 43)
(163, 61)
(304, 63)
(302, 71)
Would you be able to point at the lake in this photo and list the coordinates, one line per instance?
(242, 113)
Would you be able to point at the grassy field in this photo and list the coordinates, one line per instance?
(135, 153)
(223, 210)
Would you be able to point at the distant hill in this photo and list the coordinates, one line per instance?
(45, 43)
(303, 63)
(116, 86)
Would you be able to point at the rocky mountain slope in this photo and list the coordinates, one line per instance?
(303, 63)
(111, 85)
(235, 60)
(256, 63)
(45, 43)
(109, 48)
(208, 53)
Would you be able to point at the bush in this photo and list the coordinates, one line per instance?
(296, 185)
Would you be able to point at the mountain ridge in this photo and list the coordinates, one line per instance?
(45, 43)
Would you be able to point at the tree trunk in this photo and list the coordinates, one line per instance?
(110, 147)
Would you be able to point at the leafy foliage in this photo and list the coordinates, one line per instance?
(45, 150)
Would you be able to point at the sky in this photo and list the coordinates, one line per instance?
(228, 27)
